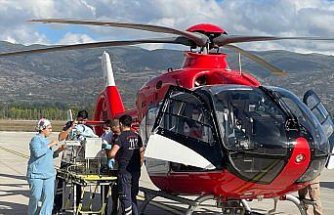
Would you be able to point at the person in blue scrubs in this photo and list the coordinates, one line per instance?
(41, 172)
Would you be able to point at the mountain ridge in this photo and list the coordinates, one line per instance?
(75, 77)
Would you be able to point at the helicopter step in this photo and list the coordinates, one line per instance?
(231, 207)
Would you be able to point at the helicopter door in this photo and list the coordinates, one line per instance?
(313, 102)
(154, 166)
(184, 133)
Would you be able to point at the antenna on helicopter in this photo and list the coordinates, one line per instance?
(239, 59)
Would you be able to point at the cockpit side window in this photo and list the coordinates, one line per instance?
(186, 116)
(150, 118)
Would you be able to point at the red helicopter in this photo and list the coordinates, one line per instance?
(214, 132)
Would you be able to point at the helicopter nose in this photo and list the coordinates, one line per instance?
(301, 153)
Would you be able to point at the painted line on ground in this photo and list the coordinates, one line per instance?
(15, 152)
(9, 167)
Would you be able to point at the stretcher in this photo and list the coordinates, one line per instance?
(71, 181)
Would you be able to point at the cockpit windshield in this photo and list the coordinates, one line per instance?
(250, 120)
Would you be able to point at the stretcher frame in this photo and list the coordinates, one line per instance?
(71, 180)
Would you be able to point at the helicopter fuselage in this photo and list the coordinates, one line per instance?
(234, 141)
(244, 164)
(248, 143)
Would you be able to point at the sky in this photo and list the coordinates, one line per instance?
(241, 17)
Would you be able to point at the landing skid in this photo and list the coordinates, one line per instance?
(232, 207)
(292, 199)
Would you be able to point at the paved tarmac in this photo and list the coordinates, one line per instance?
(14, 189)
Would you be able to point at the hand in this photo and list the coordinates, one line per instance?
(75, 123)
(68, 126)
(106, 146)
(52, 143)
(62, 147)
(71, 124)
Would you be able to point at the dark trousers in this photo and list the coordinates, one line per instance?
(114, 199)
(128, 188)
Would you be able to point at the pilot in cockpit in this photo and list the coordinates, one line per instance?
(191, 125)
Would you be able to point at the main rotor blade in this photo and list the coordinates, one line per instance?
(227, 39)
(199, 39)
(273, 69)
(171, 40)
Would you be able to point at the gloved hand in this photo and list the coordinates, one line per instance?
(106, 146)
(111, 164)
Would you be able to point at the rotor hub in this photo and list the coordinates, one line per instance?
(207, 28)
(210, 31)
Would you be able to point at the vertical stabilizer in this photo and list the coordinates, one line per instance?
(107, 70)
(109, 102)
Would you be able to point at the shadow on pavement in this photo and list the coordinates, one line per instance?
(12, 208)
(18, 177)
(16, 186)
(329, 185)
(14, 192)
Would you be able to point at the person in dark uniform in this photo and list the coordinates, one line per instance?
(128, 151)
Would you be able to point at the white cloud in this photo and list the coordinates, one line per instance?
(19, 34)
(261, 17)
(14, 16)
(71, 38)
(10, 39)
(90, 7)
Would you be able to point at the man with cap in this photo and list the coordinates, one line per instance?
(41, 172)
(70, 131)
(79, 124)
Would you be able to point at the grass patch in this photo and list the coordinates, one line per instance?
(27, 125)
